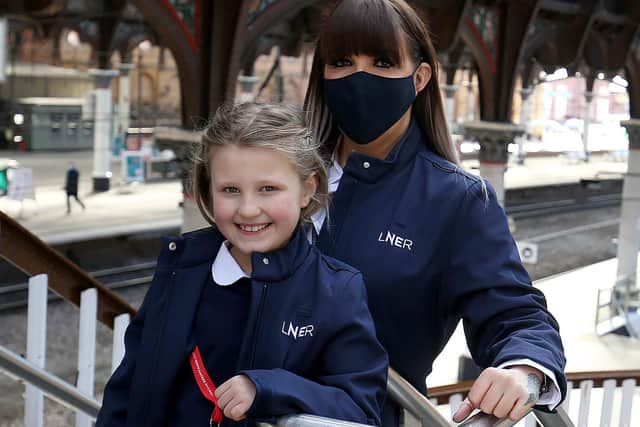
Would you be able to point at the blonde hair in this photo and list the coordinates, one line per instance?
(277, 127)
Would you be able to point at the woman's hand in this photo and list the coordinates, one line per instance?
(509, 392)
(235, 397)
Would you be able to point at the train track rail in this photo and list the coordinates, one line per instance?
(15, 295)
(552, 207)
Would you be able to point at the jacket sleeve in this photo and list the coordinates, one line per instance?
(352, 375)
(116, 393)
(505, 318)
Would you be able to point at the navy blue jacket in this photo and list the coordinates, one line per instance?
(309, 343)
(71, 182)
(434, 247)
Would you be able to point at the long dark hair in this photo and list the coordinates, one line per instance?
(379, 28)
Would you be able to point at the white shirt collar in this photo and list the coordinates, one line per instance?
(335, 174)
(225, 270)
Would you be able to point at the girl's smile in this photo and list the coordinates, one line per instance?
(257, 199)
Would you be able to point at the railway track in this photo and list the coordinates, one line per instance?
(15, 295)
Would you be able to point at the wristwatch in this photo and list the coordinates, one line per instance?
(544, 385)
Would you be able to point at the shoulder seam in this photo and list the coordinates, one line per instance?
(457, 169)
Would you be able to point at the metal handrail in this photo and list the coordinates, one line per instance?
(55, 388)
(310, 421)
(404, 394)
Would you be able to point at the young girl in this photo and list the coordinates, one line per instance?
(248, 305)
(399, 196)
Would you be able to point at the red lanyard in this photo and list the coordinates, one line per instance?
(206, 385)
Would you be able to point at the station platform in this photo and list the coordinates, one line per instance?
(152, 206)
(572, 299)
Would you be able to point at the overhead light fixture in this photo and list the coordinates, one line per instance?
(559, 74)
(620, 81)
(73, 38)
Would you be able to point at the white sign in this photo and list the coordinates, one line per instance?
(21, 185)
(3, 49)
(528, 252)
(132, 166)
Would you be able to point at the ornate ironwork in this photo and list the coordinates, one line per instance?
(484, 22)
(186, 11)
(256, 8)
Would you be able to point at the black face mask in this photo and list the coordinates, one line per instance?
(365, 105)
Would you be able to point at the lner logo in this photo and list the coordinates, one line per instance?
(395, 240)
(297, 331)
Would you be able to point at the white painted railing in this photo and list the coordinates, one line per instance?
(32, 369)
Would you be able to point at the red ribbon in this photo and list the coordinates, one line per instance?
(206, 385)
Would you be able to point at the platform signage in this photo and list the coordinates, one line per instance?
(21, 185)
(133, 166)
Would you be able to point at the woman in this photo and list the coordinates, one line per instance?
(430, 239)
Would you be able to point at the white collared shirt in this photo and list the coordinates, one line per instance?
(318, 218)
(225, 270)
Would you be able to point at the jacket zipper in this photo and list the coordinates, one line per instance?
(256, 328)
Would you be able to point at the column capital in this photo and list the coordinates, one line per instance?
(588, 96)
(125, 68)
(450, 90)
(493, 137)
(102, 78)
(525, 92)
(633, 129)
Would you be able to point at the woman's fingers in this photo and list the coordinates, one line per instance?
(474, 398)
(464, 410)
(500, 392)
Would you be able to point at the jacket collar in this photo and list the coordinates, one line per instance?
(278, 265)
(201, 246)
(371, 169)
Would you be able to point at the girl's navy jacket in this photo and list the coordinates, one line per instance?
(434, 247)
(309, 344)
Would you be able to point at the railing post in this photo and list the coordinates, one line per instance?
(608, 390)
(87, 348)
(120, 324)
(585, 400)
(36, 347)
(628, 388)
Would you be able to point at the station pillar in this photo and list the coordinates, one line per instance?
(588, 99)
(102, 128)
(124, 99)
(525, 118)
(629, 232)
(450, 105)
(494, 139)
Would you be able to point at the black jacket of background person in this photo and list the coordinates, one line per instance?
(71, 184)
(435, 248)
(338, 371)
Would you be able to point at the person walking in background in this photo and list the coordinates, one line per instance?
(71, 186)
